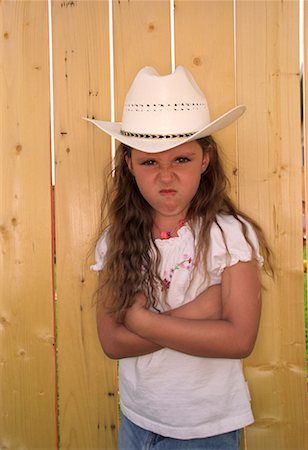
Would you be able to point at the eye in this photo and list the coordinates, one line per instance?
(182, 159)
(148, 162)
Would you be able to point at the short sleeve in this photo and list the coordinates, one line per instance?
(229, 246)
(100, 251)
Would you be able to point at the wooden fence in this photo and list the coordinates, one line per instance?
(57, 388)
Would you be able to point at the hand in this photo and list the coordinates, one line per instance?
(210, 301)
(136, 312)
(208, 305)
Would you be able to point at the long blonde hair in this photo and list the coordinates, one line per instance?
(132, 258)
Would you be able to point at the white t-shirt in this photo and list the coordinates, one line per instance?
(174, 394)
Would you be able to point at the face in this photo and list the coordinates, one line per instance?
(169, 180)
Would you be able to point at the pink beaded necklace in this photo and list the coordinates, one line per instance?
(168, 234)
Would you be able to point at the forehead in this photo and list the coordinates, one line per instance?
(189, 147)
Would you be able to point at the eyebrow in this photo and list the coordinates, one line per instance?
(152, 156)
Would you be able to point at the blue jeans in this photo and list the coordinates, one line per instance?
(132, 437)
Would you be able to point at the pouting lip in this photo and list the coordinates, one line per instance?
(167, 191)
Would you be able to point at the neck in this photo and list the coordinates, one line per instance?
(168, 231)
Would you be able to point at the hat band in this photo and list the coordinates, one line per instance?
(155, 136)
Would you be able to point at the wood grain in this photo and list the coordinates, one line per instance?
(258, 67)
(141, 38)
(87, 380)
(270, 190)
(202, 47)
(27, 345)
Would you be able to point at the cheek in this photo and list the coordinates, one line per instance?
(144, 184)
(192, 186)
(195, 188)
(193, 180)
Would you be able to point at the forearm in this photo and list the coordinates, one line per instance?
(123, 343)
(119, 342)
(206, 338)
(207, 305)
(231, 336)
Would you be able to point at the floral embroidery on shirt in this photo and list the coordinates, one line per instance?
(186, 264)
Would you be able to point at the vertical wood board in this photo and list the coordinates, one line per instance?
(305, 151)
(265, 172)
(202, 47)
(270, 191)
(305, 106)
(87, 380)
(141, 38)
(27, 353)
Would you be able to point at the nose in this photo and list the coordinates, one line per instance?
(166, 174)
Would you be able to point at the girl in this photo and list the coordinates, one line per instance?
(179, 296)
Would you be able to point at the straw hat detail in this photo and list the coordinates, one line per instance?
(162, 112)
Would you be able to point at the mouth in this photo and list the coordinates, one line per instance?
(167, 192)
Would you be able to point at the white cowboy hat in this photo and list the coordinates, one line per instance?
(162, 112)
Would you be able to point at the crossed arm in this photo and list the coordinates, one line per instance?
(222, 322)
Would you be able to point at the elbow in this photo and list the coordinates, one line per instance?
(108, 346)
(243, 341)
(245, 348)
(245, 352)
(110, 350)
(108, 339)
(111, 354)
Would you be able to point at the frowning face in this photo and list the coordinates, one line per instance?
(169, 180)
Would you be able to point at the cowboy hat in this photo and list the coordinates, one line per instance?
(162, 112)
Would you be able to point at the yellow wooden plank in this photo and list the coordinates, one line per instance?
(305, 106)
(204, 43)
(270, 190)
(27, 360)
(87, 380)
(141, 38)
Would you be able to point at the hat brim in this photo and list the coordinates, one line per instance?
(150, 145)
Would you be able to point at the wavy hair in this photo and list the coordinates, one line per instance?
(132, 258)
